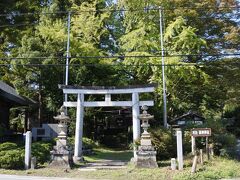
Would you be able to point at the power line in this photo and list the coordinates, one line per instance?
(94, 65)
(125, 56)
(125, 65)
(32, 13)
(18, 25)
(33, 24)
(79, 12)
(119, 10)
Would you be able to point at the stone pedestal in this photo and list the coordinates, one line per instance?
(146, 154)
(146, 157)
(61, 155)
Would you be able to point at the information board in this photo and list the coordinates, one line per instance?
(201, 132)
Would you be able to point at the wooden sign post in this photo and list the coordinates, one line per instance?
(199, 132)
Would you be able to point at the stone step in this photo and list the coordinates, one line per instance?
(100, 168)
(103, 164)
(107, 164)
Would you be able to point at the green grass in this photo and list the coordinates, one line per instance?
(216, 168)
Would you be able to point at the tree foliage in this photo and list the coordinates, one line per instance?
(202, 83)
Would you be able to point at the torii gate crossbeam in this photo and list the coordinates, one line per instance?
(80, 91)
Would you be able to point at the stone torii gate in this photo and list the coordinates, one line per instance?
(80, 91)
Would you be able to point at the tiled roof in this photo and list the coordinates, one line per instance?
(9, 93)
(188, 114)
(5, 87)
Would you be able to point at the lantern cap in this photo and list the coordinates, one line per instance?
(62, 116)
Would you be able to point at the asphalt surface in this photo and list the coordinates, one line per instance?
(17, 177)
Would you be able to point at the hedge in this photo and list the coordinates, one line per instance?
(12, 154)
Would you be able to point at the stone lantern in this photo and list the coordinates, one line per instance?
(61, 153)
(146, 154)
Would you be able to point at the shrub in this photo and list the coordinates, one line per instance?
(11, 156)
(87, 143)
(41, 150)
(12, 159)
(8, 146)
(164, 143)
(224, 144)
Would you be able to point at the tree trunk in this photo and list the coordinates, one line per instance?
(40, 105)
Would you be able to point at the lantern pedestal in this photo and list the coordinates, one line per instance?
(61, 155)
(146, 154)
(146, 157)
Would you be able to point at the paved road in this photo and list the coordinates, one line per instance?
(16, 177)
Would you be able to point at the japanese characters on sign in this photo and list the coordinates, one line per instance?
(201, 132)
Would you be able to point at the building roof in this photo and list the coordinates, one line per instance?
(190, 114)
(9, 95)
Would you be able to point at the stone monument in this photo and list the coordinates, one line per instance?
(61, 155)
(146, 154)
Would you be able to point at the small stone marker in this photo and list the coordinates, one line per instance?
(28, 142)
(211, 150)
(33, 163)
(179, 149)
(173, 164)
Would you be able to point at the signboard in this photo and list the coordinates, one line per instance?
(201, 132)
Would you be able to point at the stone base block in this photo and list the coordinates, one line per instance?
(146, 161)
(146, 157)
(61, 161)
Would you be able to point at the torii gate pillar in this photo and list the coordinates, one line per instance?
(107, 91)
(135, 119)
(79, 128)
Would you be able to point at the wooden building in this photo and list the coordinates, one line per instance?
(187, 119)
(9, 98)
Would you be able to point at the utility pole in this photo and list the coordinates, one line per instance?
(163, 70)
(68, 53)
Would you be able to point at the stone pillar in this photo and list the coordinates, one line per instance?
(136, 121)
(193, 145)
(179, 149)
(28, 142)
(79, 128)
(173, 164)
